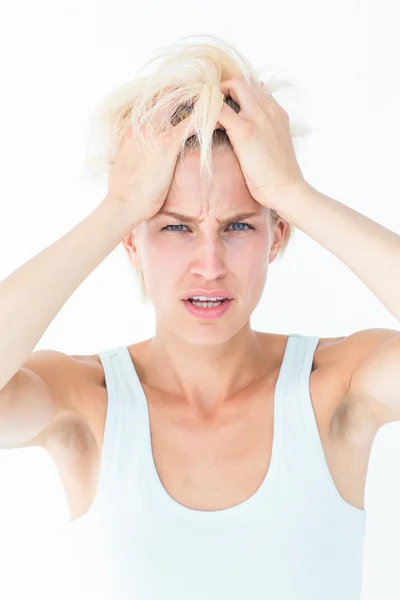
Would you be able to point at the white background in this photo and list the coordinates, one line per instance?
(57, 60)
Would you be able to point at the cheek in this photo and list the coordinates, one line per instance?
(162, 259)
(251, 264)
(252, 251)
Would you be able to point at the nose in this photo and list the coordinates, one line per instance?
(209, 262)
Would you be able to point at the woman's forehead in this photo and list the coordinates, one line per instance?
(226, 192)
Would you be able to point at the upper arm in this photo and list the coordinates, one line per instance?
(35, 397)
(376, 372)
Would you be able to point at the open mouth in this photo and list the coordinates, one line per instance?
(206, 301)
(205, 311)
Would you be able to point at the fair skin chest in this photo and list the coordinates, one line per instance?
(226, 460)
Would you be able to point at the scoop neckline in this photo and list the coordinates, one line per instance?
(262, 490)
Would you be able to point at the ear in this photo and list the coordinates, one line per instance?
(130, 243)
(278, 233)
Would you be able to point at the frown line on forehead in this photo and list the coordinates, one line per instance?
(188, 219)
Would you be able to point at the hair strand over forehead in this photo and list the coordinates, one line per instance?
(186, 81)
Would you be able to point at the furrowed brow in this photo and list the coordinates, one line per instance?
(187, 219)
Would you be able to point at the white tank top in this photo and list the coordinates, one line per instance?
(295, 538)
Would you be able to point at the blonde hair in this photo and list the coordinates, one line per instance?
(187, 80)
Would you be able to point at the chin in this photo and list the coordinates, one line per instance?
(207, 338)
(208, 333)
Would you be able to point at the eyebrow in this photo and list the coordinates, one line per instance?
(188, 219)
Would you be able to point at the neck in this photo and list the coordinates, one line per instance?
(206, 376)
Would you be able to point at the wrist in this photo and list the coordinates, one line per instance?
(121, 212)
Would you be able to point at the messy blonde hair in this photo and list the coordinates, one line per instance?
(187, 81)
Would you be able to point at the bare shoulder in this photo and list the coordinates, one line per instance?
(89, 364)
(351, 350)
(345, 352)
(90, 380)
(360, 343)
(74, 378)
(342, 356)
(329, 351)
(63, 374)
(333, 363)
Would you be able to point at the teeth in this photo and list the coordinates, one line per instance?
(205, 299)
(206, 304)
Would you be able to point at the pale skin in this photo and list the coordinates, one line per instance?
(202, 363)
(271, 179)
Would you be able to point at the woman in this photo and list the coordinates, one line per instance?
(212, 460)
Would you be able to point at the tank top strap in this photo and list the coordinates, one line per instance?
(302, 454)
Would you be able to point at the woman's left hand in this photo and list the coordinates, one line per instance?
(262, 141)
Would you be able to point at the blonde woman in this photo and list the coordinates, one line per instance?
(211, 461)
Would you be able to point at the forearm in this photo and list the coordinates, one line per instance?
(370, 250)
(32, 295)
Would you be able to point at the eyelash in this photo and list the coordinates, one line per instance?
(234, 223)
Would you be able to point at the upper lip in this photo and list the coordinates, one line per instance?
(208, 294)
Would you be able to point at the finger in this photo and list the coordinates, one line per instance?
(185, 127)
(228, 118)
(265, 98)
(242, 94)
(254, 94)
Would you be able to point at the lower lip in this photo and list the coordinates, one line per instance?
(207, 313)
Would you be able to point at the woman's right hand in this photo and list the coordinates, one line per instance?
(139, 178)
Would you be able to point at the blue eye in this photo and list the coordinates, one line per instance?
(181, 225)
